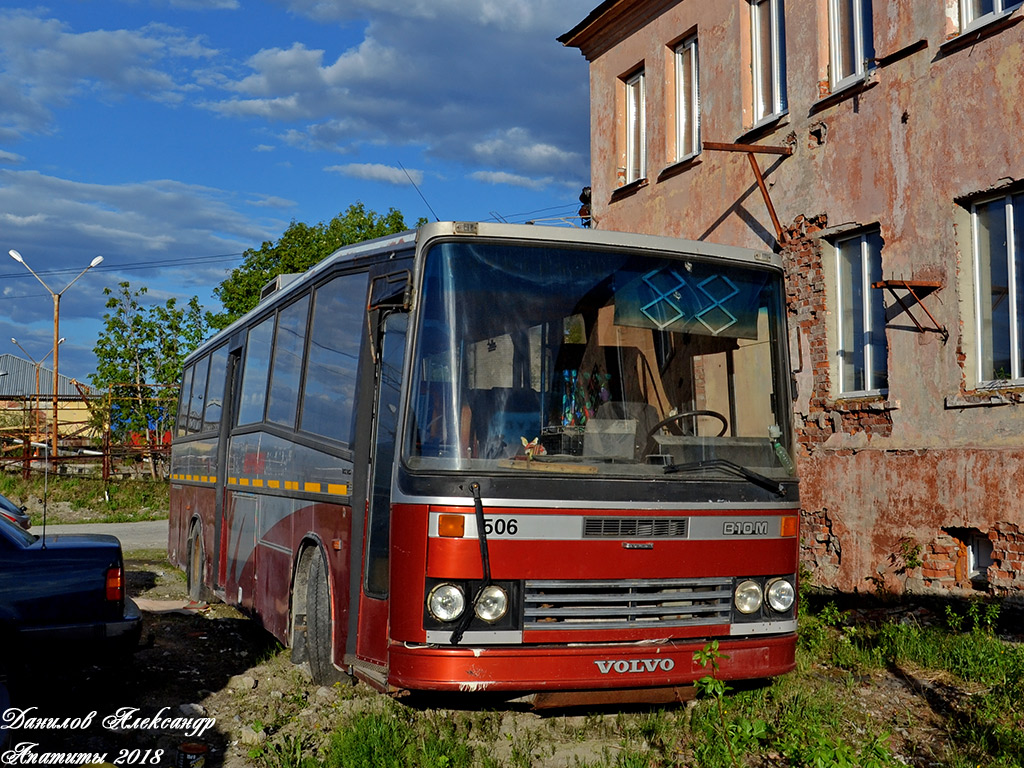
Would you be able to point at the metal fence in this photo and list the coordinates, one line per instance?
(125, 432)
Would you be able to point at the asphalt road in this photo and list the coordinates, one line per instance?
(151, 534)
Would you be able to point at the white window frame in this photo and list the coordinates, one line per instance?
(687, 109)
(636, 127)
(863, 42)
(1016, 302)
(774, 59)
(872, 299)
(970, 18)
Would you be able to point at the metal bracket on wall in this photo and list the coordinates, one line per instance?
(751, 151)
(915, 290)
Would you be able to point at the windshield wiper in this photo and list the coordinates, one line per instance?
(755, 477)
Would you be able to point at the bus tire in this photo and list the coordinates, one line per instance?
(319, 627)
(195, 564)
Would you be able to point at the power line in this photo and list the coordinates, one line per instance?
(135, 265)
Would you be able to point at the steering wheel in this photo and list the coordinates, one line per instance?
(685, 414)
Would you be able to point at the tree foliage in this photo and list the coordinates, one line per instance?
(139, 356)
(299, 248)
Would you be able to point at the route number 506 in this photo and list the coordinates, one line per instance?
(501, 526)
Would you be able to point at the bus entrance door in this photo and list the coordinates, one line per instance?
(372, 641)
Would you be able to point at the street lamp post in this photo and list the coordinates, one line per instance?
(56, 327)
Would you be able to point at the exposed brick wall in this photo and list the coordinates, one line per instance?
(1007, 569)
(821, 550)
(806, 302)
(943, 565)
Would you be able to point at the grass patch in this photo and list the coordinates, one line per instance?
(84, 499)
(866, 694)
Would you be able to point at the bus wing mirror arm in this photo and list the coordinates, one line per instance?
(390, 292)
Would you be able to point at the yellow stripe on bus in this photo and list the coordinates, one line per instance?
(335, 489)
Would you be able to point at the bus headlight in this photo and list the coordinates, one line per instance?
(446, 602)
(780, 595)
(747, 597)
(491, 604)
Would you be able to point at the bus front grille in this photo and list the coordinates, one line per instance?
(636, 527)
(627, 603)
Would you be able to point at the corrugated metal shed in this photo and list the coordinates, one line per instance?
(18, 380)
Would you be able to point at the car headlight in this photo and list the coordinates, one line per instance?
(747, 597)
(491, 604)
(446, 602)
(780, 595)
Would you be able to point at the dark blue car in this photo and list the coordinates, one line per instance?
(64, 589)
(63, 594)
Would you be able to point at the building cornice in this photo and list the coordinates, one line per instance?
(611, 22)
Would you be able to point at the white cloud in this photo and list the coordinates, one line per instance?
(205, 5)
(270, 201)
(518, 15)
(10, 157)
(512, 179)
(516, 147)
(60, 220)
(478, 82)
(45, 64)
(378, 172)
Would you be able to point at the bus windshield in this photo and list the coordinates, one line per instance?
(546, 359)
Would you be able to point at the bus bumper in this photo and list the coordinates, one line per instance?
(589, 668)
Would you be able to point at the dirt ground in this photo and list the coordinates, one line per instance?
(217, 672)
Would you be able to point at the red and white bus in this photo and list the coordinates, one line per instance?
(484, 457)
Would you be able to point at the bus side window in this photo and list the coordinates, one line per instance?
(336, 331)
(254, 374)
(198, 399)
(215, 390)
(183, 401)
(289, 343)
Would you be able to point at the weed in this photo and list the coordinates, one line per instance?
(907, 556)
(711, 687)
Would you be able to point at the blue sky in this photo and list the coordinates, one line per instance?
(170, 135)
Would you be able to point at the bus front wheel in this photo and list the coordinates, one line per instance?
(319, 634)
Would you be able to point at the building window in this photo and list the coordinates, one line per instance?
(636, 130)
(982, 11)
(851, 41)
(998, 230)
(687, 100)
(862, 351)
(768, 54)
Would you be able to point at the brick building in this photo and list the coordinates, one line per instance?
(876, 145)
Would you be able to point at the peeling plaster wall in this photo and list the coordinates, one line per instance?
(933, 126)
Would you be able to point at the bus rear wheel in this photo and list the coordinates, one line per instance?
(319, 625)
(194, 571)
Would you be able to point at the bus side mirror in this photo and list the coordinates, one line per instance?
(388, 293)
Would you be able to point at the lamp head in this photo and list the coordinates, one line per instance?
(16, 256)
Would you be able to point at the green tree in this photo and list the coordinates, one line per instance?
(299, 248)
(139, 358)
